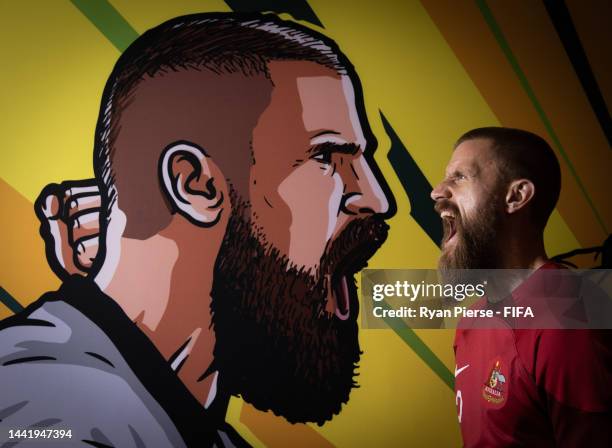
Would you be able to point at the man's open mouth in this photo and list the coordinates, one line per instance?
(450, 225)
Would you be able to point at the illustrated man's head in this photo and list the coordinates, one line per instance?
(500, 183)
(244, 139)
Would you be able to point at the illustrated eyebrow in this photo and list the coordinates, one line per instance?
(325, 131)
(327, 147)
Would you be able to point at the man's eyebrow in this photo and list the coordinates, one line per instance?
(461, 172)
(326, 147)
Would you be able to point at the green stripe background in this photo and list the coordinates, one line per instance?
(109, 21)
(505, 47)
(9, 301)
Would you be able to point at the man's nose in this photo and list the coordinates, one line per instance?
(441, 191)
(363, 193)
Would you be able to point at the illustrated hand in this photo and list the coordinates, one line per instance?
(69, 215)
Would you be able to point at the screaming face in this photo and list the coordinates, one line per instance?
(284, 299)
(470, 203)
(277, 346)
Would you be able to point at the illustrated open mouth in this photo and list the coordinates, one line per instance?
(340, 291)
(343, 273)
(349, 255)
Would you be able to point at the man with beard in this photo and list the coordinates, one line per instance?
(517, 387)
(235, 198)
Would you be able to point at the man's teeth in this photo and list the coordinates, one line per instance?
(446, 214)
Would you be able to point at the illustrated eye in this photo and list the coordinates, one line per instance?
(323, 157)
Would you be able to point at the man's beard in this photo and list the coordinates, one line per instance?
(476, 245)
(276, 345)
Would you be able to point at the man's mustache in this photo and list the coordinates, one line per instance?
(355, 245)
(446, 205)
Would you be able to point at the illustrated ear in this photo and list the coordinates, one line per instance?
(187, 176)
(520, 192)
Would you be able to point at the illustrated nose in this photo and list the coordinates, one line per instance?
(363, 192)
(441, 191)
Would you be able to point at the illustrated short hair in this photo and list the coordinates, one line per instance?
(221, 43)
(524, 155)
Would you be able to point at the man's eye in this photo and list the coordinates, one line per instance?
(324, 157)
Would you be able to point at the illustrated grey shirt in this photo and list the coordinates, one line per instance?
(74, 361)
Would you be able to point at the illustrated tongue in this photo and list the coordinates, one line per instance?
(342, 300)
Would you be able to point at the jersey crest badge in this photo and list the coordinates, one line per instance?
(493, 390)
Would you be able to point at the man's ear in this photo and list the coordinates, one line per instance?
(520, 192)
(186, 173)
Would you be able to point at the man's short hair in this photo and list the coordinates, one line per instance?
(220, 43)
(524, 155)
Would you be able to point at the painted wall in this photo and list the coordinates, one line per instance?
(430, 71)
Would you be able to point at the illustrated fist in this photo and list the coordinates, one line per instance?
(69, 215)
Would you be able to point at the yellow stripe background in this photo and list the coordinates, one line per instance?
(56, 63)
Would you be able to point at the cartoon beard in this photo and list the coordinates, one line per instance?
(276, 345)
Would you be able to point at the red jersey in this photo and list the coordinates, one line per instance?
(534, 387)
